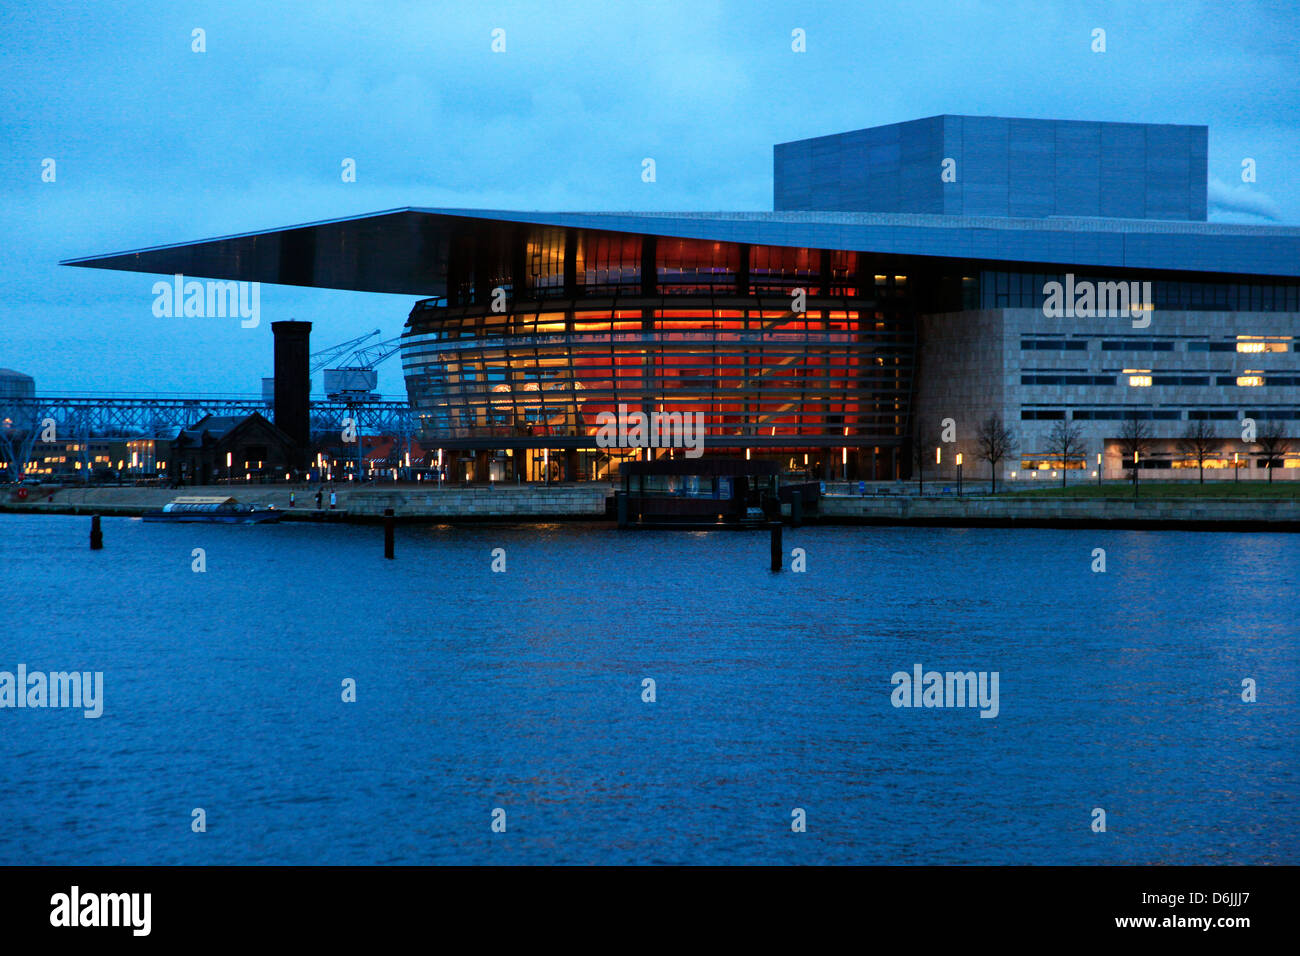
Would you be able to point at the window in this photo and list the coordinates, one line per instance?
(1246, 343)
(1124, 345)
(1180, 380)
(1030, 414)
(1059, 345)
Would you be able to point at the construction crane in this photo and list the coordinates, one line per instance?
(355, 379)
(353, 383)
(322, 358)
(319, 360)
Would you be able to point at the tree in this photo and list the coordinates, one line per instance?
(1273, 446)
(1199, 442)
(994, 442)
(1066, 440)
(1134, 438)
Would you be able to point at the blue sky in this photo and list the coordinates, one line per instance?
(155, 143)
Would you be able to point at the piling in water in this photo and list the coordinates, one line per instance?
(776, 546)
(388, 532)
(796, 508)
(96, 534)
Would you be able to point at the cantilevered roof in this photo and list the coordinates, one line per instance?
(403, 251)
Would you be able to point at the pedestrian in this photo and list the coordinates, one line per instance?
(292, 497)
(333, 499)
(318, 499)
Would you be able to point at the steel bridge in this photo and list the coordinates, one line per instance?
(24, 421)
(162, 417)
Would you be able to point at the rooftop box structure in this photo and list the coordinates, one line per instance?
(995, 166)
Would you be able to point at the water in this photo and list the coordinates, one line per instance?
(478, 690)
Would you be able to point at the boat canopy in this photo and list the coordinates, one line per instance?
(203, 504)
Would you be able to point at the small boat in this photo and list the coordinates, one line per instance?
(214, 510)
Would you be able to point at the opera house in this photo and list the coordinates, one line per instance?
(899, 283)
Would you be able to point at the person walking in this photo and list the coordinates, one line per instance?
(318, 499)
(334, 497)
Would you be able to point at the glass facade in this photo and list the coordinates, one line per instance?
(605, 322)
(762, 376)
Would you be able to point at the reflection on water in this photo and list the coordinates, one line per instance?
(523, 690)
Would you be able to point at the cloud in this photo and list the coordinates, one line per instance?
(1242, 200)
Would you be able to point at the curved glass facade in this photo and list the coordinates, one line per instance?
(538, 375)
(543, 329)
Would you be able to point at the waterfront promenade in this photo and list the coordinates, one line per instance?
(1160, 507)
(355, 503)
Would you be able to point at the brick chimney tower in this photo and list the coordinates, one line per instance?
(293, 384)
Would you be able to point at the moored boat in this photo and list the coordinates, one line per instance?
(214, 509)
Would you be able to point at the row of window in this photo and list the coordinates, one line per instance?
(1158, 414)
(1067, 380)
(1021, 290)
(1145, 380)
(1244, 345)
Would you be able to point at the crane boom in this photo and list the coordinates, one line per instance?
(371, 355)
(354, 379)
(325, 356)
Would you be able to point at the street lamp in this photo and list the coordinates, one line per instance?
(958, 474)
(228, 461)
(1236, 468)
(1098, 469)
(1135, 474)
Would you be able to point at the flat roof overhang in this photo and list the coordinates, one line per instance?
(404, 251)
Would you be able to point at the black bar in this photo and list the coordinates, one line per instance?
(930, 904)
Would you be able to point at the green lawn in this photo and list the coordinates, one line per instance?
(1163, 489)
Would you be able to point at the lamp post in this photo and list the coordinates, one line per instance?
(1098, 469)
(229, 458)
(1236, 468)
(1135, 474)
(958, 474)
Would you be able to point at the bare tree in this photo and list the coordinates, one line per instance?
(1199, 442)
(1134, 438)
(1066, 440)
(1273, 446)
(994, 441)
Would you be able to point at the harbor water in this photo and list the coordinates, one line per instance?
(521, 695)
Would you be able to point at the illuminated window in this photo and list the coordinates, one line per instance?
(1249, 344)
(1138, 377)
(1250, 380)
